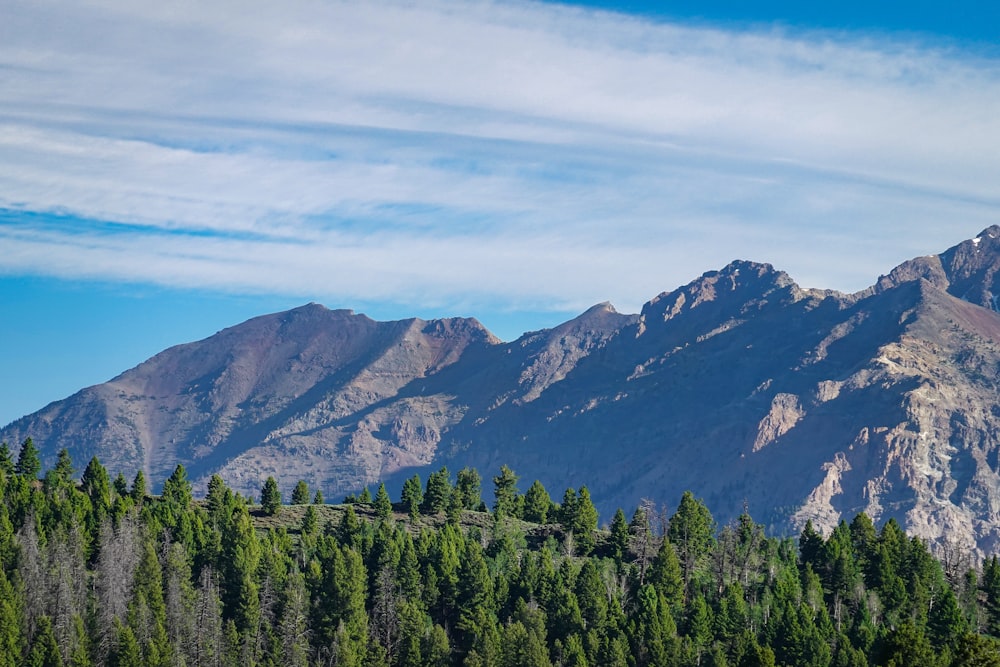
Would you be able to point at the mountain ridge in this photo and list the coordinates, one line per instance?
(740, 385)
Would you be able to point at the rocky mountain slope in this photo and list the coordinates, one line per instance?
(740, 386)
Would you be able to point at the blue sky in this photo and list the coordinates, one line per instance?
(170, 169)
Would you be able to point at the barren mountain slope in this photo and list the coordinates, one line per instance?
(740, 386)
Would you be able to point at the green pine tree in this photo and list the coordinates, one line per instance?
(383, 506)
(28, 463)
(300, 494)
(270, 497)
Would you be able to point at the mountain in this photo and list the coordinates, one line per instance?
(741, 386)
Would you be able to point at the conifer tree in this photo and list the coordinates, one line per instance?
(505, 492)
(666, 577)
(690, 531)
(44, 649)
(11, 618)
(177, 488)
(240, 558)
(584, 522)
(318, 498)
(619, 540)
(139, 490)
(437, 494)
(6, 461)
(412, 495)
(383, 506)
(147, 615)
(468, 489)
(120, 485)
(28, 463)
(270, 497)
(537, 503)
(300, 494)
(64, 466)
(309, 521)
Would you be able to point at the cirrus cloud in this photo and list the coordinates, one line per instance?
(516, 154)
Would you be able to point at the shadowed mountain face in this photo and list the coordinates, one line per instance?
(739, 386)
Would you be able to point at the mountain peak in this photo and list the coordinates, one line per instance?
(735, 287)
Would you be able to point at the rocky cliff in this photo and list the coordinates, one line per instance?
(740, 386)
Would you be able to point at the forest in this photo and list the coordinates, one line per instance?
(98, 571)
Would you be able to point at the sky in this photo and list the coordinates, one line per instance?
(171, 169)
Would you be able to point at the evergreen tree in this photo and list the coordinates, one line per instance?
(28, 463)
(11, 617)
(239, 562)
(64, 466)
(690, 531)
(177, 488)
(139, 490)
(412, 495)
(666, 576)
(270, 497)
(120, 485)
(437, 494)
(383, 506)
(505, 492)
(309, 521)
(44, 649)
(300, 494)
(6, 461)
(318, 498)
(468, 489)
(584, 522)
(619, 535)
(537, 503)
(96, 483)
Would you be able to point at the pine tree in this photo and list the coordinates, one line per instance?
(383, 506)
(177, 488)
(584, 522)
(505, 492)
(468, 488)
(309, 521)
(64, 466)
(240, 558)
(6, 461)
(44, 649)
(96, 483)
(437, 494)
(28, 463)
(537, 503)
(148, 613)
(11, 617)
(318, 498)
(619, 535)
(300, 494)
(412, 495)
(139, 490)
(666, 576)
(270, 497)
(690, 531)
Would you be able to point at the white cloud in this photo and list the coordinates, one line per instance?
(446, 152)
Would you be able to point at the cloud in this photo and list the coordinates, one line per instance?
(516, 154)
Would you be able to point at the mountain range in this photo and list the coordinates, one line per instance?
(741, 386)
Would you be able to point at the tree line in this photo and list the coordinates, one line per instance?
(95, 571)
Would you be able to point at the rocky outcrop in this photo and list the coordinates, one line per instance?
(804, 404)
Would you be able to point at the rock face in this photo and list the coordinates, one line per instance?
(740, 386)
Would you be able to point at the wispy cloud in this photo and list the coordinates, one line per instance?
(518, 154)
